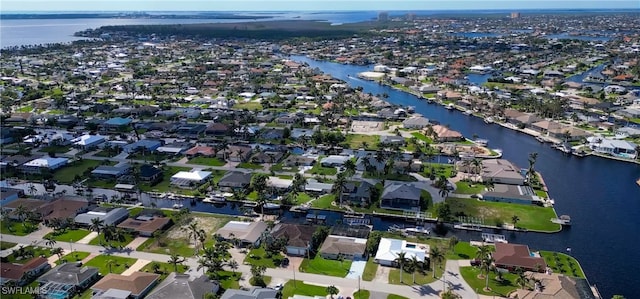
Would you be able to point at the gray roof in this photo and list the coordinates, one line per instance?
(108, 216)
(511, 191)
(111, 170)
(235, 178)
(404, 191)
(313, 185)
(255, 293)
(180, 286)
(245, 231)
(68, 274)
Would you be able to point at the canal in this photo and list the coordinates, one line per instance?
(599, 194)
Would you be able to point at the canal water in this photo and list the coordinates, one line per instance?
(599, 194)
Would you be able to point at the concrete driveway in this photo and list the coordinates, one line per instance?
(357, 268)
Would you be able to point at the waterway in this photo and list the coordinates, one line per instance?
(599, 194)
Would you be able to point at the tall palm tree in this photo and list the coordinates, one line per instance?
(176, 260)
(514, 220)
(299, 181)
(233, 264)
(338, 186)
(58, 251)
(49, 241)
(436, 256)
(350, 167)
(522, 280)
(532, 161)
(110, 264)
(401, 260)
(22, 212)
(415, 266)
(96, 225)
(193, 231)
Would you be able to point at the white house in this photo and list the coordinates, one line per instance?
(40, 164)
(189, 178)
(389, 249)
(88, 141)
(619, 148)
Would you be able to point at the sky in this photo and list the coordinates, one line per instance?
(305, 5)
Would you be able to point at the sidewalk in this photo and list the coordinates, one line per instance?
(88, 238)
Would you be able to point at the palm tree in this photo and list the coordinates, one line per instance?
(415, 265)
(436, 255)
(58, 251)
(401, 260)
(176, 260)
(350, 167)
(110, 264)
(532, 161)
(332, 290)
(338, 186)
(96, 225)
(49, 241)
(299, 181)
(22, 212)
(522, 280)
(453, 241)
(514, 220)
(233, 264)
(193, 231)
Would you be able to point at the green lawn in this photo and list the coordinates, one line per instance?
(23, 294)
(266, 280)
(531, 217)
(67, 173)
(165, 184)
(370, 270)
(76, 256)
(35, 252)
(11, 227)
(407, 278)
(216, 174)
(422, 137)
(252, 105)
(469, 188)
(229, 280)
(462, 251)
(300, 288)
(562, 263)
(302, 197)
(258, 256)
(249, 165)
(324, 202)
(72, 235)
(320, 265)
(498, 288)
(164, 270)
(281, 167)
(207, 161)
(361, 294)
(393, 296)
(106, 154)
(99, 240)
(120, 263)
(354, 141)
(320, 170)
(438, 169)
(6, 245)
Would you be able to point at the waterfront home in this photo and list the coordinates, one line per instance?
(28, 204)
(66, 280)
(400, 196)
(415, 122)
(62, 208)
(235, 153)
(296, 161)
(519, 194)
(357, 192)
(175, 148)
(553, 285)
(501, 171)
(243, 233)
(335, 247)
(334, 161)
(189, 179)
(135, 286)
(545, 126)
(149, 173)
(511, 256)
(108, 216)
(267, 157)
(40, 165)
(235, 180)
(146, 223)
(21, 274)
(298, 237)
(389, 249)
(568, 134)
(392, 140)
(253, 293)
(8, 195)
(275, 183)
(111, 172)
(184, 286)
(144, 146)
(317, 188)
(614, 147)
(444, 134)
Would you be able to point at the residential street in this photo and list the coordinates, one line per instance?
(431, 290)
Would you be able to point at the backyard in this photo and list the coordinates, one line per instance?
(355, 141)
(463, 187)
(321, 170)
(562, 263)
(259, 256)
(117, 264)
(165, 184)
(320, 265)
(498, 288)
(300, 288)
(68, 173)
(530, 217)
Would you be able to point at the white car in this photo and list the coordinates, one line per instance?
(278, 287)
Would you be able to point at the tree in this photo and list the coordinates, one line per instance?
(22, 212)
(49, 241)
(532, 162)
(176, 260)
(332, 290)
(415, 265)
(514, 220)
(258, 274)
(58, 251)
(96, 225)
(110, 264)
(299, 181)
(338, 187)
(401, 260)
(453, 241)
(522, 280)
(444, 212)
(233, 264)
(437, 256)
(193, 231)
(449, 294)
(350, 167)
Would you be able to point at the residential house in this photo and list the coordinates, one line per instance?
(108, 216)
(392, 140)
(149, 173)
(111, 172)
(415, 122)
(315, 187)
(279, 183)
(235, 180)
(189, 179)
(136, 285)
(146, 223)
(8, 195)
(358, 193)
(569, 133)
(217, 129)
(175, 148)
(41, 165)
(184, 286)
(67, 279)
(235, 153)
(243, 233)
(267, 157)
(511, 194)
(28, 204)
(298, 237)
(200, 150)
(87, 142)
(22, 274)
(545, 126)
(145, 146)
(62, 208)
(501, 171)
(556, 286)
(335, 247)
(334, 161)
(297, 161)
(614, 147)
(444, 134)
(389, 249)
(190, 130)
(253, 293)
(116, 124)
(511, 256)
(400, 196)
(298, 133)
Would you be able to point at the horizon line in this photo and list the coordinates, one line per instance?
(322, 10)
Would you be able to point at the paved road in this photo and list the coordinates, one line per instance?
(431, 290)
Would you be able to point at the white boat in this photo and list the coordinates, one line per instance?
(418, 230)
(178, 206)
(468, 112)
(271, 206)
(489, 120)
(449, 106)
(481, 142)
(466, 226)
(562, 220)
(493, 238)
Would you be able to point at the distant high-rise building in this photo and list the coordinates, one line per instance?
(515, 15)
(383, 16)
